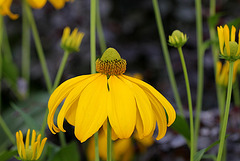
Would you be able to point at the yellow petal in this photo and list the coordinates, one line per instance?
(113, 134)
(92, 108)
(37, 4)
(238, 52)
(233, 32)
(18, 144)
(123, 148)
(58, 4)
(27, 139)
(71, 113)
(156, 95)
(145, 117)
(226, 39)
(218, 71)
(39, 150)
(122, 112)
(73, 98)
(57, 97)
(5, 9)
(220, 38)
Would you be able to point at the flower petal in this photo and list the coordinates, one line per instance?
(37, 4)
(226, 39)
(57, 97)
(220, 38)
(122, 112)
(158, 96)
(92, 108)
(73, 98)
(145, 117)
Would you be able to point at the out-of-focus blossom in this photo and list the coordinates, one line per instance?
(5, 9)
(59, 4)
(37, 4)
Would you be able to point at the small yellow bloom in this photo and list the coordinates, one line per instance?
(229, 48)
(5, 9)
(222, 73)
(32, 151)
(177, 39)
(71, 42)
(37, 4)
(127, 102)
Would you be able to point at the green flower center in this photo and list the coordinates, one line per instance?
(111, 63)
(233, 48)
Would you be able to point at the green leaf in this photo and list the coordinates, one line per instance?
(31, 123)
(67, 152)
(213, 20)
(7, 155)
(180, 125)
(198, 156)
(235, 22)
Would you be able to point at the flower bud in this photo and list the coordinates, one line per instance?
(177, 39)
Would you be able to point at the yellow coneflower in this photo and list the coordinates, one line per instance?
(5, 9)
(37, 4)
(71, 42)
(59, 4)
(128, 103)
(229, 48)
(30, 151)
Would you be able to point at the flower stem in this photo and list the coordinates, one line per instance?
(189, 103)
(200, 83)
(109, 142)
(1, 63)
(39, 48)
(236, 94)
(167, 57)
(226, 113)
(93, 58)
(7, 130)
(100, 30)
(60, 70)
(25, 46)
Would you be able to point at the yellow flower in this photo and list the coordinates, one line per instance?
(177, 39)
(128, 103)
(32, 151)
(5, 9)
(59, 4)
(229, 48)
(222, 73)
(71, 42)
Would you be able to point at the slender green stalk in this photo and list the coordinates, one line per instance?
(6, 46)
(236, 94)
(192, 136)
(167, 57)
(60, 70)
(7, 130)
(200, 52)
(109, 142)
(39, 48)
(1, 37)
(93, 58)
(226, 113)
(26, 58)
(100, 30)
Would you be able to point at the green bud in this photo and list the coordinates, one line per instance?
(177, 39)
(110, 54)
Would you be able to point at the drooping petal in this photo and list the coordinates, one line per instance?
(122, 112)
(92, 108)
(145, 116)
(5, 9)
(158, 96)
(71, 113)
(113, 134)
(73, 98)
(57, 97)
(58, 4)
(37, 4)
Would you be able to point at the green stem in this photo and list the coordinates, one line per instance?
(39, 48)
(167, 57)
(1, 63)
(100, 30)
(25, 46)
(189, 103)
(93, 58)
(109, 142)
(6, 46)
(7, 130)
(60, 70)
(226, 113)
(236, 94)
(200, 52)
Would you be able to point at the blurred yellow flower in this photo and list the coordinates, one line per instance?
(229, 48)
(37, 4)
(5, 9)
(32, 151)
(123, 149)
(71, 42)
(222, 73)
(127, 102)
